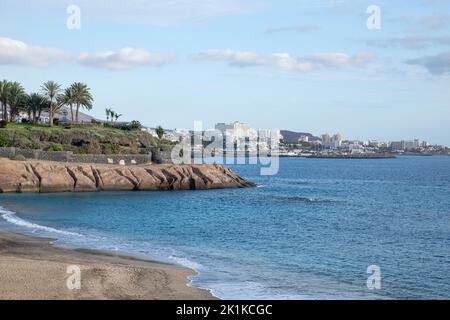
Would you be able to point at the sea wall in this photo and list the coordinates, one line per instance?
(46, 176)
(69, 156)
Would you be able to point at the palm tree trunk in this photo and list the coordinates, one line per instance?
(51, 113)
(78, 109)
(71, 112)
(5, 111)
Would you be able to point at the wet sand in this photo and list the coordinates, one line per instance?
(32, 268)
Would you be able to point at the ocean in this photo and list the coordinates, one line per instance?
(309, 232)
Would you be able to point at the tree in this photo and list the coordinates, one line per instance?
(15, 99)
(68, 99)
(112, 114)
(160, 132)
(4, 92)
(51, 90)
(34, 105)
(117, 116)
(81, 97)
(108, 114)
(59, 104)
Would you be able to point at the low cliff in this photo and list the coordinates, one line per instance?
(41, 176)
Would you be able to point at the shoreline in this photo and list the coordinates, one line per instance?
(33, 268)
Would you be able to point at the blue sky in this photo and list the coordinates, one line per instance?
(301, 65)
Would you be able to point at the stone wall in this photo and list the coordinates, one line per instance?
(69, 156)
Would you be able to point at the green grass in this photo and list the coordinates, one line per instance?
(40, 127)
(27, 126)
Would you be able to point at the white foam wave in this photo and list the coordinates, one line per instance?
(11, 217)
(186, 263)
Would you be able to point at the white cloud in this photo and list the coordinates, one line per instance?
(126, 58)
(285, 61)
(341, 60)
(245, 59)
(14, 52)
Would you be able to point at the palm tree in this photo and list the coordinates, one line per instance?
(68, 99)
(60, 101)
(34, 105)
(51, 90)
(160, 132)
(108, 113)
(117, 116)
(81, 97)
(15, 99)
(4, 92)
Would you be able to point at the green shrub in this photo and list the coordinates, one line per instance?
(96, 123)
(114, 148)
(19, 157)
(57, 147)
(90, 148)
(132, 126)
(135, 125)
(5, 141)
(3, 124)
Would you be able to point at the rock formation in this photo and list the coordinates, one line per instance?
(45, 176)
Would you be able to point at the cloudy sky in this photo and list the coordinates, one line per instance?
(309, 65)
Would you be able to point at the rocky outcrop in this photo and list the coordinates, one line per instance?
(45, 176)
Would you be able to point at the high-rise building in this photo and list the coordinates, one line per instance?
(326, 138)
(334, 141)
(337, 140)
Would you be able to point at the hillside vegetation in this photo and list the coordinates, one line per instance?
(93, 140)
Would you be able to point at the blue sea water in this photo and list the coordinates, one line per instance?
(309, 232)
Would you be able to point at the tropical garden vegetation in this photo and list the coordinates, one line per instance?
(51, 99)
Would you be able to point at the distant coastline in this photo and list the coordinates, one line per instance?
(344, 156)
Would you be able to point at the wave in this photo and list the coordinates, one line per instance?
(301, 199)
(12, 218)
(186, 263)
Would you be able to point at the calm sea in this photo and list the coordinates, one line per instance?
(309, 232)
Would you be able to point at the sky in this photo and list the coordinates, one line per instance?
(303, 65)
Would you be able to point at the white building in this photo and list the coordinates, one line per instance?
(303, 138)
(334, 141)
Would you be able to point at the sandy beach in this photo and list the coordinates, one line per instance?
(32, 268)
